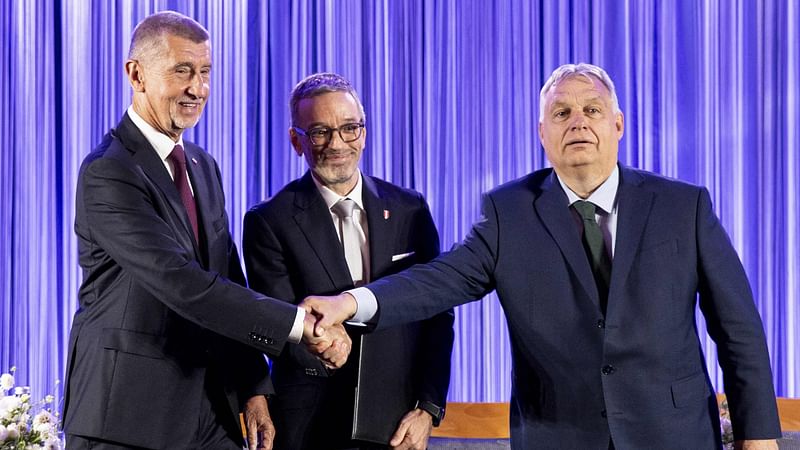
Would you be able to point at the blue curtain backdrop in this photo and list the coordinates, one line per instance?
(709, 88)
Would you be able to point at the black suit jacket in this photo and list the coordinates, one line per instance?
(291, 251)
(160, 316)
(636, 375)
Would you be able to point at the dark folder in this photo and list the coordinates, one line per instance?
(386, 382)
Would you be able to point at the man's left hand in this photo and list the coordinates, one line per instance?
(413, 431)
(258, 422)
(760, 444)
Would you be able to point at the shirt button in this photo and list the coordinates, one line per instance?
(608, 370)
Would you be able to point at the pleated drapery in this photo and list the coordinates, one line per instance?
(709, 90)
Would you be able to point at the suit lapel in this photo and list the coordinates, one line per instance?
(152, 166)
(314, 220)
(552, 208)
(379, 223)
(634, 205)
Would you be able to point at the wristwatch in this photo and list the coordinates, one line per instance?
(436, 411)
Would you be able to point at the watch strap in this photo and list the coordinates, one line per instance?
(436, 411)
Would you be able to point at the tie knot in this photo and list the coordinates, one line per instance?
(178, 157)
(585, 209)
(344, 208)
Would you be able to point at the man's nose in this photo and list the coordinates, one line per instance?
(198, 86)
(579, 123)
(336, 139)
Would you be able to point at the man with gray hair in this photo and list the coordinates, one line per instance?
(333, 229)
(598, 267)
(166, 347)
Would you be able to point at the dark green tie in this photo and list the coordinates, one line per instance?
(595, 250)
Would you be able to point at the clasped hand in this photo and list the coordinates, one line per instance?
(323, 332)
(332, 345)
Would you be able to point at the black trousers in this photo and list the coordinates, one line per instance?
(316, 413)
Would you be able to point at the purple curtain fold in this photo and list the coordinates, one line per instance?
(709, 91)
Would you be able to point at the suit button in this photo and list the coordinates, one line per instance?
(608, 370)
(270, 341)
(603, 413)
(601, 323)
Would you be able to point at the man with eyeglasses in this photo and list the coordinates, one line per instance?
(335, 229)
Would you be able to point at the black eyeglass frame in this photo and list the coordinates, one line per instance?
(329, 133)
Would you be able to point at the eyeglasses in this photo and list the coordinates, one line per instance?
(349, 132)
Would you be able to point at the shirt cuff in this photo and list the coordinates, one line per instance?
(366, 306)
(296, 334)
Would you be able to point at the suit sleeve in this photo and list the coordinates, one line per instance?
(433, 364)
(735, 325)
(463, 274)
(122, 219)
(252, 373)
(268, 273)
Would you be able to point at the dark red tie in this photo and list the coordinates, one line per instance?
(178, 158)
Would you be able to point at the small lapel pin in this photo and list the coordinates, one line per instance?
(194, 160)
(385, 214)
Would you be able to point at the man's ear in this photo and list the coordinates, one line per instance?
(135, 75)
(619, 122)
(295, 140)
(541, 133)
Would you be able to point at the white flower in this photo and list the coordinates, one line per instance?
(43, 422)
(13, 432)
(43, 417)
(52, 443)
(6, 381)
(23, 424)
(8, 404)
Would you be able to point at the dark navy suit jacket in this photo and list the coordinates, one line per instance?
(291, 251)
(163, 320)
(636, 375)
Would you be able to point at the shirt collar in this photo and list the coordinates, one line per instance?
(162, 143)
(605, 196)
(331, 198)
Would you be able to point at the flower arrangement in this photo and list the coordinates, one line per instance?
(19, 429)
(725, 425)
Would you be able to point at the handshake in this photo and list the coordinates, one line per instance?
(323, 332)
